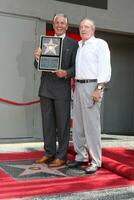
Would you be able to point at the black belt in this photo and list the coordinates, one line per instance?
(86, 80)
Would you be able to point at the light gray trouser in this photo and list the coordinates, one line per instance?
(87, 128)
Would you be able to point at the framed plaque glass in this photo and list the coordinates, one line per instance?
(50, 58)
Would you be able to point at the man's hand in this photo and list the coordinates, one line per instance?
(37, 54)
(60, 73)
(97, 95)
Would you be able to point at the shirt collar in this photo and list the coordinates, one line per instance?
(61, 36)
(90, 40)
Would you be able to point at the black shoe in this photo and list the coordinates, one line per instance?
(75, 163)
(91, 169)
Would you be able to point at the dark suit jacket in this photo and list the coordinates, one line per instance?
(59, 88)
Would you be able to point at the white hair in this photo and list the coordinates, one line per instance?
(61, 15)
(90, 21)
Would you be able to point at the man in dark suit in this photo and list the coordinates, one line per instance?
(55, 98)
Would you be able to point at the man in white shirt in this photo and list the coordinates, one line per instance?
(93, 71)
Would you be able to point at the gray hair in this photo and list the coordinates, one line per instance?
(90, 21)
(61, 15)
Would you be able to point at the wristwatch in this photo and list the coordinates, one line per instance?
(100, 87)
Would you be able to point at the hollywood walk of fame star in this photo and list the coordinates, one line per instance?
(50, 47)
(37, 168)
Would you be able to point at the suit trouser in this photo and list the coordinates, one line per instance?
(87, 129)
(56, 126)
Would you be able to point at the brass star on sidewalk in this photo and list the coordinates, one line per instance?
(37, 168)
(50, 47)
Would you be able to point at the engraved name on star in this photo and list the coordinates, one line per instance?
(50, 47)
(37, 168)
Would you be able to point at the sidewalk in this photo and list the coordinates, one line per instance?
(32, 144)
(118, 141)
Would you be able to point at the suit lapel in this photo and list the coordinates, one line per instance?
(65, 44)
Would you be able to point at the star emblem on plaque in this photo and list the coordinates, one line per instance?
(50, 59)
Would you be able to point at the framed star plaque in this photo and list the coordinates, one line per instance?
(50, 59)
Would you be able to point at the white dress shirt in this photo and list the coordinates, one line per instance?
(93, 60)
(61, 36)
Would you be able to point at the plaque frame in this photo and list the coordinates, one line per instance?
(50, 58)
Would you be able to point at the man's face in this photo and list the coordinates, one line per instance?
(60, 25)
(86, 30)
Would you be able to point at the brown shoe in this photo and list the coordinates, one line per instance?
(56, 163)
(44, 159)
